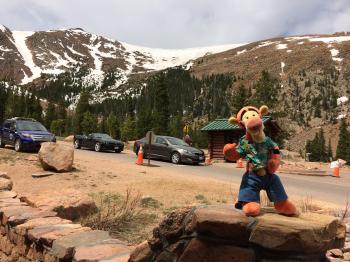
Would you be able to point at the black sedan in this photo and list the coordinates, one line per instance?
(98, 142)
(170, 148)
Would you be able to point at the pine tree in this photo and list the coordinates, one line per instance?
(161, 114)
(58, 127)
(3, 98)
(89, 123)
(240, 98)
(322, 147)
(343, 147)
(113, 125)
(144, 123)
(329, 150)
(267, 90)
(82, 107)
(127, 131)
(50, 114)
(176, 126)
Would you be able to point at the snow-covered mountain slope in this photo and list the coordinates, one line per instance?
(24, 56)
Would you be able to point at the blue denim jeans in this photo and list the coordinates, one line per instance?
(252, 184)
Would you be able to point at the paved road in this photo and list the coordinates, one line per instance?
(329, 189)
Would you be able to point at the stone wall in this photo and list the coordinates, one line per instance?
(30, 233)
(222, 233)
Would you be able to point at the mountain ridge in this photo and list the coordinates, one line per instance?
(30, 54)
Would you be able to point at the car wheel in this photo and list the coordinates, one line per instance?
(117, 151)
(176, 158)
(2, 144)
(18, 145)
(76, 144)
(97, 147)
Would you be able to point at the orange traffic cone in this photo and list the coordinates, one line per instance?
(139, 160)
(336, 172)
(239, 163)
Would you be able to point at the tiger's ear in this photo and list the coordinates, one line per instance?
(233, 120)
(263, 110)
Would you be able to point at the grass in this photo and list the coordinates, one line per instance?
(149, 201)
(202, 199)
(344, 212)
(125, 217)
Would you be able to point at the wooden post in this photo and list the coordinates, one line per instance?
(149, 150)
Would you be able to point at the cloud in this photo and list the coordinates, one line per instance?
(180, 23)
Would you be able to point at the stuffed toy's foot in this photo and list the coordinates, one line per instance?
(286, 208)
(251, 209)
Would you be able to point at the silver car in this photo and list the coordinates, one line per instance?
(171, 149)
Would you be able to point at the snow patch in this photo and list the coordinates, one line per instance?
(327, 40)
(282, 68)
(164, 58)
(241, 52)
(75, 52)
(292, 38)
(289, 51)
(342, 100)
(334, 53)
(281, 46)
(266, 43)
(341, 116)
(4, 49)
(20, 41)
(2, 28)
(300, 43)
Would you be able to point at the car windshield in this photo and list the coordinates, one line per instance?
(103, 136)
(30, 126)
(176, 142)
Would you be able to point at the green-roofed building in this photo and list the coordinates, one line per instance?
(221, 132)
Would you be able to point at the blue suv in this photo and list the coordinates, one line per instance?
(24, 134)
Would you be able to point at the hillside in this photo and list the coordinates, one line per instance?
(24, 56)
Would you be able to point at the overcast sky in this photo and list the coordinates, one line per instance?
(180, 23)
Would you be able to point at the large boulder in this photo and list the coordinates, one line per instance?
(69, 138)
(56, 157)
(223, 233)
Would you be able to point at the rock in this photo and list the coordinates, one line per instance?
(222, 221)
(308, 233)
(7, 194)
(63, 247)
(4, 175)
(346, 256)
(69, 138)
(42, 174)
(101, 251)
(221, 233)
(142, 253)
(29, 214)
(33, 157)
(117, 258)
(47, 234)
(56, 157)
(336, 252)
(171, 227)
(5, 184)
(30, 224)
(208, 251)
(68, 203)
(7, 212)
